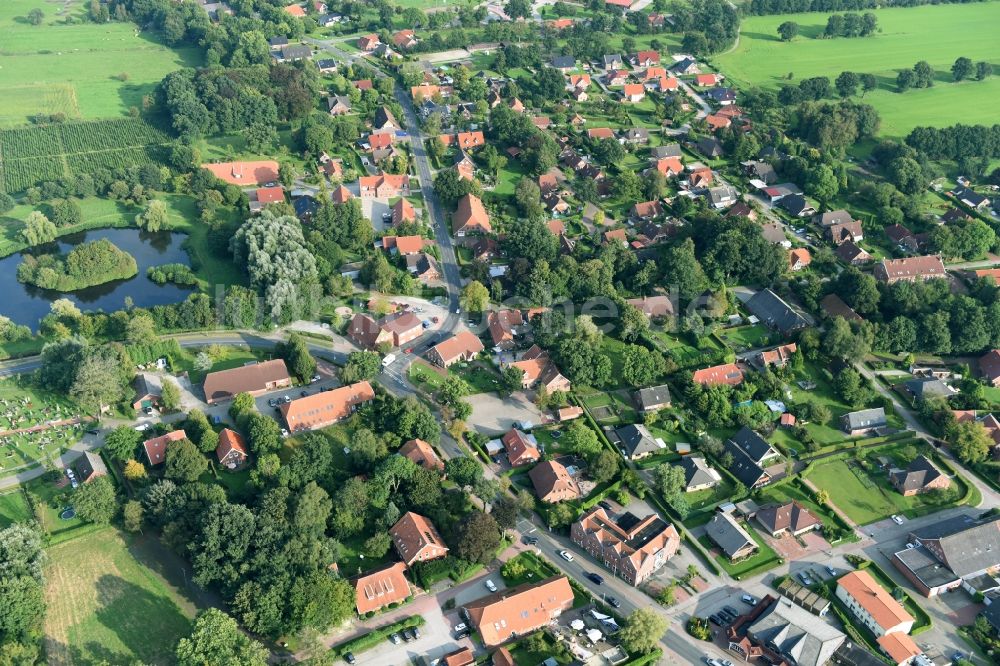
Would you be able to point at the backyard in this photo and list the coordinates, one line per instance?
(764, 559)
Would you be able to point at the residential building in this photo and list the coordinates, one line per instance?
(799, 258)
(503, 326)
(654, 307)
(521, 448)
(834, 306)
(792, 517)
(754, 446)
(653, 398)
(901, 649)
(863, 421)
(628, 546)
(924, 388)
(384, 186)
(368, 43)
(253, 378)
(729, 374)
(833, 218)
(460, 657)
(148, 391)
(910, 269)
(539, 370)
(989, 367)
(698, 475)
(293, 53)
(553, 482)
(778, 631)
(231, 451)
(633, 92)
(726, 533)
(422, 454)
(637, 442)
(404, 245)
(850, 231)
(156, 448)
(750, 455)
(89, 466)
(870, 603)
(245, 174)
(470, 217)
(416, 539)
(920, 476)
(393, 330)
(852, 254)
(423, 266)
(797, 205)
(325, 408)
(778, 357)
(775, 313)
(375, 590)
(404, 39)
(463, 346)
(519, 611)
(569, 413)
(954, 552)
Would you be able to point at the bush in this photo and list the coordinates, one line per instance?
(699, 628)
(373, 638)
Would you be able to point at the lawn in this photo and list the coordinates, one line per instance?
(226, 357)
(84, 70)
(479, 377)
(105, 605)
(742, 338)
(13, 508)
(936, 33)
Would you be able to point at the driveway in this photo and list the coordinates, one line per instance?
(493, 415)
(374, 209)
(789, 547)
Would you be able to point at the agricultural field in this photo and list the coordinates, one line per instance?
(83, 70)
(936, 33)
(105, 604)
(32, 154)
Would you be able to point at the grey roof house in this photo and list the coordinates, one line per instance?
(795, 634)
(697, 474)
(947, 554)
(863, 421)
(730, 536)
(669, 150)
(637, 441)
(928, 387)
(653, 398)
(774, 312)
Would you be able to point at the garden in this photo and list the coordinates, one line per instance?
(765, 558)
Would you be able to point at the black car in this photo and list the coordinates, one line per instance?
(529, 540)
(596, 578)
(416, 632)
(604, 505)
(407, 635)
(304, 393)
(349, 658)
(714, 619)
(465, 633)
(732, 611)
(614, 602)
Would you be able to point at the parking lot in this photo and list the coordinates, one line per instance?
(493, 415)
(374, 210)
(436, 639)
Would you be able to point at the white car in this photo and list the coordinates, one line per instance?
(459, 627)
(566, 555)
(490, 585)
(897, 519)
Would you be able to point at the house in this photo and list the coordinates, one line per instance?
(637, 442)
(685, 65)
(989, 367)
(232, 449)
(910, 269)
(951, 553)
(385, 120)
(667, 84)
(698, 475)
(870, 603)
(470, 217)
(277, 42)
(305, 208)
(900, 648)
(384, 186)
(927, 387)
(753, 446)
(464, 165)
(253, 378)
(799, 258)
(722, 196)
(778, 357)
(539, 370)
(700, 177)
(403, 212)
(792, 517)
(863, 421)
(746, 448)
(428, 91)
(628, 546)
(416, 539)
(554, 203)
(970, 198)
(393, 330)
(375, 590)
(654, 307)
(920, 476)
(833, 217)
(729, 374)
(464, 140)
(385, 52)
(634, 92)
(776, 193)
(735, 542)
(717, 122)
(743, 209)
(296, 11)
(367, 43)
(953, 215)
(264, 196)
(341, 195)
(616, 77)
(156, 448)
(89, 466)
(610, 62)
(245, 174)
(844, 232)
(422, 454)
(325, 408)
(669, 166)
(775, 313)
(463, 346)
(503, 325)
(797, 205)
(646, 210)
(569, 413)
(636, 136)
(762, 171)
(902, 237)
(653, 398)
(710, 147)
(560, 24)
(516, 105)
(326, 65)
(645, 58)
(707, 80)
(460, 657)
(778, 631)
(404, 39)
(423, 266)
(543, 122)
(563, 63)
(722, 96)
(614, 236)
(834, 306)
(294, 53)
(148, 391)
(520, 610)
(521, 448)
(852, 254)
(328, 20)
(553, 483)
(600, 133)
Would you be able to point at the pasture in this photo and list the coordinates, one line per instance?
(936, 33)
(105, 604)
(83, 70)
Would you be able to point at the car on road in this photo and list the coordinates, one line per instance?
(529, 540)
(396, 640)
(286, 399)
(597, 579)
(897, 519)
(490, 585)
(304, 393)
(712, 662)
(614, 602)
(408, 350)
(349, 658)
(749, 599)
(315, 378)
(806, 580)
(566, 555)
(272, 403)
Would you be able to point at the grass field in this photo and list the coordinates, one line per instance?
(104, 604)
(13, 508)
(75, 69)
(936, 33)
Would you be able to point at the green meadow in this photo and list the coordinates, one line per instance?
(83, 70)
(936, 33)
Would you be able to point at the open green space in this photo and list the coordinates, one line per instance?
(936, 33)
(13, 508)
(742, 338)
(83, 70)
(105, 604)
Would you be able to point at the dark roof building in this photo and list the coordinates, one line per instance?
(637, 441)
(928, 387)
(796, 205)
(653, 398)
(920, 476)
(697, 474)
(791, 517)
(774, 312)
(862, 421)
(730, 536)
(948, 552)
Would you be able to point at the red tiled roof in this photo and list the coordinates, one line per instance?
(229, 441)
(378, 589)
(729, 373)
(244, 173)
(156, 448)
(521, 610)
(421, 453)
(266, 195)
(325, 408)
(871, 596)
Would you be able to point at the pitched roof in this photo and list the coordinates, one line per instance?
(225, 384)
(989, 364)
(773, 311)
(917, 475)
(470, 213)
(459, 345)
(502, 324)
(791, 516)
(728, 534)
(727, 373)
(601, 133)
(929, 266)
(796, 632)
(865, 418)
(520, 610)
(404, 244)
(229, 441)
(550, 477)
(403, 211)
(899, 646)
(421, 453)
(156, 448)
(963, 545)
(412, 533)
(637, 440)
(871, 596)
(653, 306)
(380, 588)
(697, 472)
(652, 396)
(341, 195)
(460, 657)
(244, 173)
(834, 306)
(325, 407)
(753, 445)
(521, 447)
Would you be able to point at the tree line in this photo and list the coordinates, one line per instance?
(763, 7)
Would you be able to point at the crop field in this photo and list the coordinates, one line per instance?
(106, 605)
(83, 70)
(936, 33)
(32, 154)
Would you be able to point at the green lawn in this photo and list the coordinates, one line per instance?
(479, 377)
(226, 358)
(75, 69)
(936, 33)
(106, 605)
(742, 338)
(13, 508)
(765, 558)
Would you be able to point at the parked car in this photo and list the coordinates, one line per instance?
(749, 599)
(529, 540)
(407, 635)
(416, 632)
(349, 658)
(286, 399)
(732, 611)
(614, 602)
(395, 639)
(465, 633)
(490, 585)
(459, 628)
(831, 571)
(304, 393)
(315, 378)
(604, 505)
(596, 578)
(715, 619)
(806, 580)
(566, 555)
(897, 519)
(272, 403)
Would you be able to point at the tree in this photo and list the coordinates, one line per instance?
(683, 270)
(36, 16)
(642, 366)
(642, 631)
(463, 470)
(670, 481)
(475, 297)
(132, 516)
(170, 394)
(923, 74)
(377, 545)
(983, 70)
(511, 379)
(217, 639)
(962, 68)
(580, 439)
(604, 467)
(95, 501)
(477, 538)
(869, 82)
(98, 380)
(38, 229)
(154, 218)
(788, 30)
(22, 608)
(134, 470)
(121, 442)
(847, 84)
(907, 175)
(264, 433)
(296, 354)
(66, 213)
(185, 463)
(360, 366)
(905, 80)
(970, 442)
(846, 341)
(242, 405)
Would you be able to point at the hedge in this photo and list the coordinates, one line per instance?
(376, 636)
(649, 658)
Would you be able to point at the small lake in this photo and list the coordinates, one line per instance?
(26, 304)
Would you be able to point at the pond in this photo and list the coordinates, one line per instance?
(26, 304)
